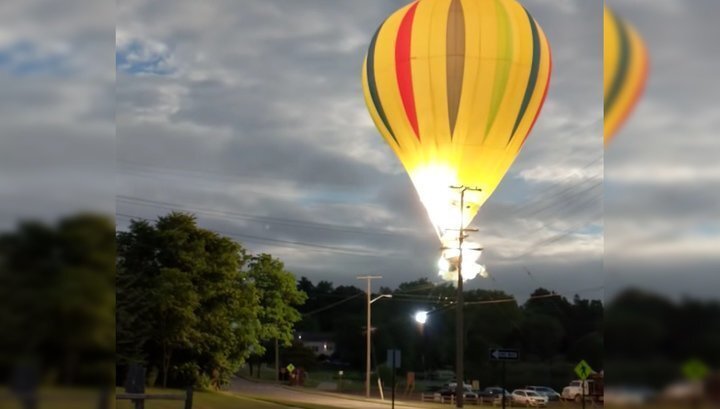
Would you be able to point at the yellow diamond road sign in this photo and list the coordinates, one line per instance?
(290, 367)
(583, 370)
(695, 370)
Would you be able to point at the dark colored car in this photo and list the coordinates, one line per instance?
(493, 392)
(449, 390)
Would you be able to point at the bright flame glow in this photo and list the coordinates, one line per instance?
(442, 202)
(471, 266)
(443, 264)
(421, 317)
(434, 186)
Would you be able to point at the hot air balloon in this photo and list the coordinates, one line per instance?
(625, 71)
(455, 87)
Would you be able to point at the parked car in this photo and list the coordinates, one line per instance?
(551, 394)
(449, 390)
(528, 398)
(453, 384)
(493, 392)
(495, 395)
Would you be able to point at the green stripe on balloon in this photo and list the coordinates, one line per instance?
(372, 86)
(502, 67)
(534, 68)
(455, 63)
(623, 65)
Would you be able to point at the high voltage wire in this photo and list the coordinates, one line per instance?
(254, 218)
(558, 189)
(335, 304)
(310, 246)
(562, 201)
(562, 189)
(558, 201)
(557, 197)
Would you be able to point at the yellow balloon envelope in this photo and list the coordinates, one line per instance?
(454, 87)
(625, 71)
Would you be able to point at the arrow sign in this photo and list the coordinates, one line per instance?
(583, 370)
(497, 354)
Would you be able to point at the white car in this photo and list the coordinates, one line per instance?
(528, 398)
(551, 394)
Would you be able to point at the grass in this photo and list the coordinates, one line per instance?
(57, 398)
(204, 400)
(222, 400)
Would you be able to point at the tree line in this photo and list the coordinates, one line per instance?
(547, 327)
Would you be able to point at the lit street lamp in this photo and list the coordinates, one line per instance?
(421, 318)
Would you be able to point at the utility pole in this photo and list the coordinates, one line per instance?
(277, 360)
(459, 317)
(368, 330)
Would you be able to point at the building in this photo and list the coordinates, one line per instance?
(319, 342)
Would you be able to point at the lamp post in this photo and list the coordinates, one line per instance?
(421, 318)
(369, 328)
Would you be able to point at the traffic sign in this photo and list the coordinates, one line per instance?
(501, 354)
(397, 359)
(583, 370)
(290, 367)
(695, 370)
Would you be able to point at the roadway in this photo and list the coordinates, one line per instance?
(299, 395)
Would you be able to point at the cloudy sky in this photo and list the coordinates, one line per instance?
(57, 109)
(662, 174)
(250, 114)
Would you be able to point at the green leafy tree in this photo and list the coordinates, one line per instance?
(185, 302)
(57, 298)
(278, 294)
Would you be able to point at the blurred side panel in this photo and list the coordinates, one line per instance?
(662, 208)
(57, 109)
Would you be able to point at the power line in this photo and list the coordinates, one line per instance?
(254, 218)
(286, 243)
(335, 304)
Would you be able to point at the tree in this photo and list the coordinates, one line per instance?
(56, 287)
(278, 293)
(177, 304)
(185, 302)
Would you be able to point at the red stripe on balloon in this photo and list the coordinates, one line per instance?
(403, 67)
(542, 101)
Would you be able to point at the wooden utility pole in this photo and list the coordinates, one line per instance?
(459, 318)
(368, 331)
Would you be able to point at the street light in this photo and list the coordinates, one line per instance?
(421, 318)
(369, 328)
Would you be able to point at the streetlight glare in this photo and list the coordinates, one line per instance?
(421, 317)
